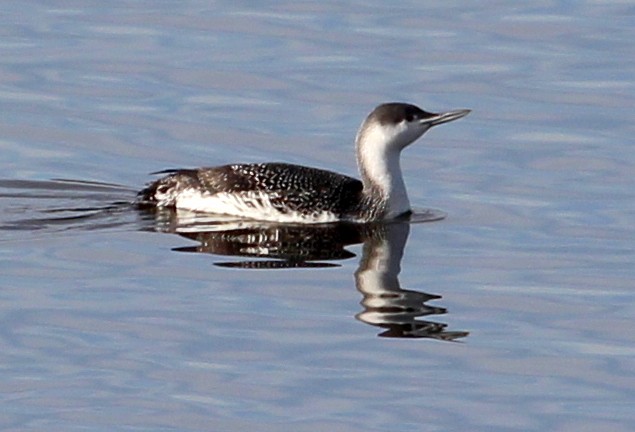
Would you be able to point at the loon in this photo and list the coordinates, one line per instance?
(282, 192)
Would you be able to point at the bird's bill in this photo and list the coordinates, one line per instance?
(445, 117)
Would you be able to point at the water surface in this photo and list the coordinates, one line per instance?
(113, 320)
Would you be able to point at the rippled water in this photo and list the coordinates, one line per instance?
(515, 312)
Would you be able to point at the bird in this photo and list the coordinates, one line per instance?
(289, 193)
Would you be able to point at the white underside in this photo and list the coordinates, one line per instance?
(249, 205)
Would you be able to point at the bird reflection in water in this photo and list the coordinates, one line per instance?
(62, 205)
(275, 246)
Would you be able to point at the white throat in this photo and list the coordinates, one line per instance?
(378, 156)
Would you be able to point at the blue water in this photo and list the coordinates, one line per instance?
(110, 320)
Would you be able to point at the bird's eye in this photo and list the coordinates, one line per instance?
(411, 115)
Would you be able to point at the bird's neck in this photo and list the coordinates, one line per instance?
(380, 170)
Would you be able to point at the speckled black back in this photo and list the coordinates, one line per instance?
(290, 187)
